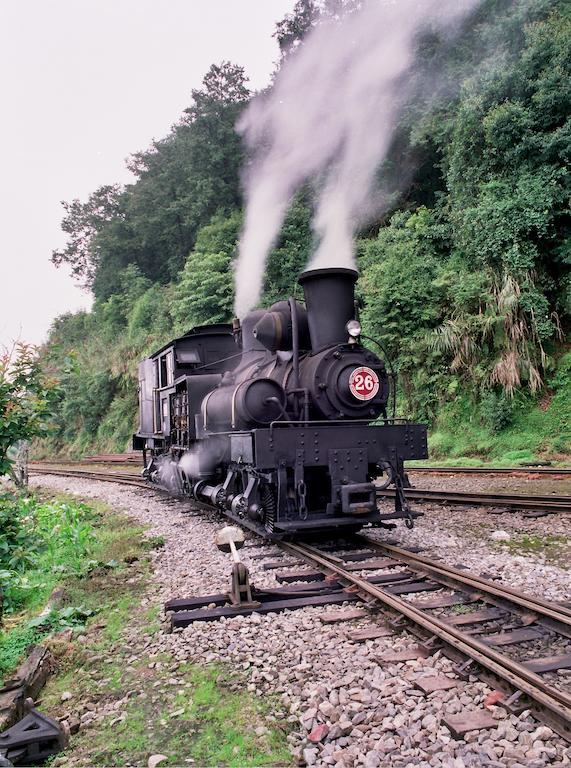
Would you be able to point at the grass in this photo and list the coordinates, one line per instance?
(207, 718)
(550, 545)
(44, 540)
(204, 722)
(223, 722)
(554, 550)
(13, 645)
(84, 543)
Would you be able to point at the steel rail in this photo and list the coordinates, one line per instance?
(559, 614)
(107, 477)
(511, 501)
(492, 470)
(516, 497)
(135, 458)
(556, 703)
(118, 458)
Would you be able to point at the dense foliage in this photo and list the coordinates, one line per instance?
(465, 280)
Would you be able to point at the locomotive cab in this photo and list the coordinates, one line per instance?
(166, 405)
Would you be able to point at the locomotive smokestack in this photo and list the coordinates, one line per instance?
(330, 301)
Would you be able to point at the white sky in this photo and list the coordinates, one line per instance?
(83, 84)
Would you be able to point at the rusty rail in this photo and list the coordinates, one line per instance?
(108, 477)
(506, 501)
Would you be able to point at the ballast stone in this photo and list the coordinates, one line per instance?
(500, 536)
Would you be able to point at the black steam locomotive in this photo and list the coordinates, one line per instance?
(281, 422)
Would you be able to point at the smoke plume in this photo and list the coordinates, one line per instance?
(329, 118)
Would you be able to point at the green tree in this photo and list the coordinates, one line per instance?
(206, 289)
(83, 223)
(26, 400)
(306, 15)
(180, 183)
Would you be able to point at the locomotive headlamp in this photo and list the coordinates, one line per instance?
(353, 328)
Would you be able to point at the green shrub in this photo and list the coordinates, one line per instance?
(497, 411)
(40, 541)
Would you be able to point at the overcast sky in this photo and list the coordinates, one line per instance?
(85, 83)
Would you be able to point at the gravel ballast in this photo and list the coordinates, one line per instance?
(344, 706)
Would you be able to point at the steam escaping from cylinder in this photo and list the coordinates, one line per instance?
(200, 460)
(329, 118)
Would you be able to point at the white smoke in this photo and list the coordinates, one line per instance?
(330, 117)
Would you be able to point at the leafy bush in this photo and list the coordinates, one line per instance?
(27, 397)
(18, 545)
(205, 292)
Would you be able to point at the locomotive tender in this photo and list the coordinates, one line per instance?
(281, 422)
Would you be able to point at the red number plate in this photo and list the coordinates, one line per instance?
(364, 383)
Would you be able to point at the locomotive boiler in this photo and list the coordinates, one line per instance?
(281, 421)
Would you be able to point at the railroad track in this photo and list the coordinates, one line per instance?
(517, 471)
(103, 458)
(538, 505)
(108, 477)
(491, 616)
(136, 458)
(480, 625)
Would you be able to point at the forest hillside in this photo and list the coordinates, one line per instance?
(465, 281)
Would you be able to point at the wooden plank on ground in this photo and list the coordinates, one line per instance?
(181, 603)
(264, 555)
(511, 638)
(390, 578)
(184, 618)
(445, 601)
(309, 575)
(372, 564)
(469, 720)
(372, 633)
(487, 614)
(548, 663)
(415, 586)
(354, 557)
(409, 654)
(273, 564)
(30, 678)
(332, 617)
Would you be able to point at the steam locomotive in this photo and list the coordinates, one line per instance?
(281, 421)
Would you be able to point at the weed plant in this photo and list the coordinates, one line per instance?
(42, 542)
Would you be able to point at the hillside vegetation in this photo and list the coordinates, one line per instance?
(465, 280)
